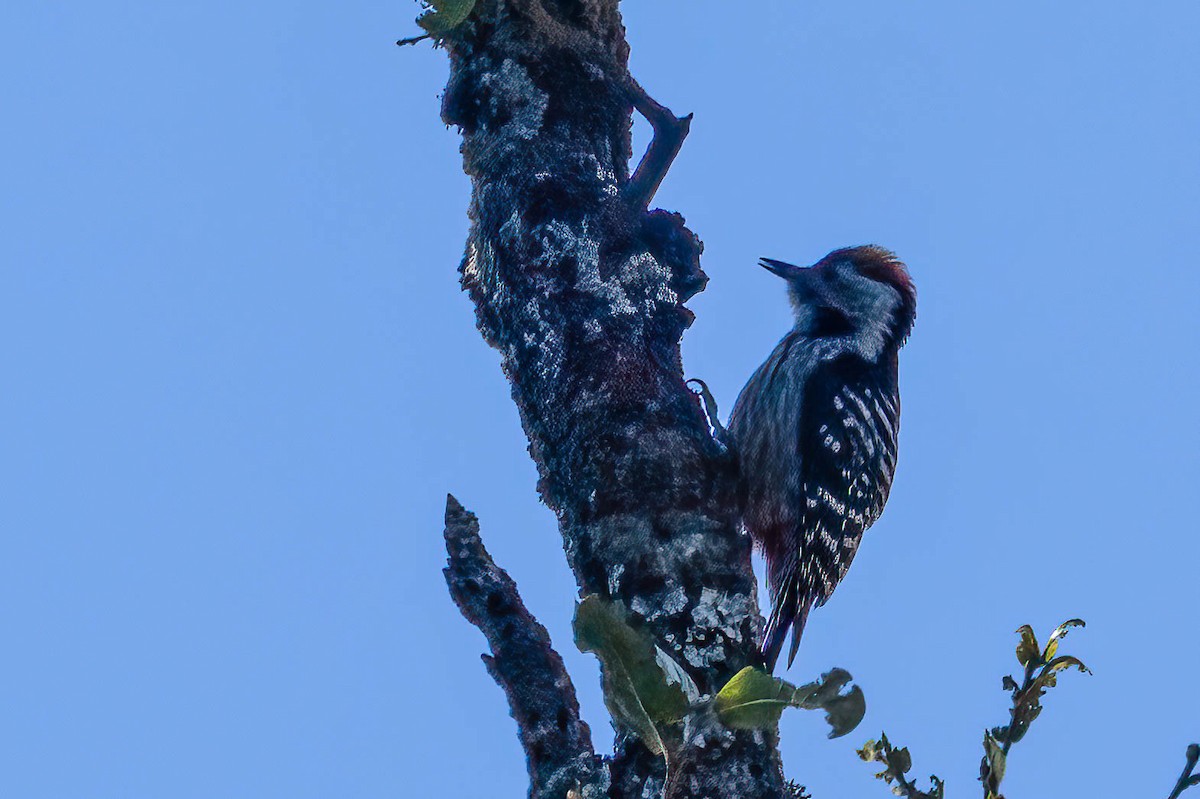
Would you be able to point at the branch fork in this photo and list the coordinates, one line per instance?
(669, 133)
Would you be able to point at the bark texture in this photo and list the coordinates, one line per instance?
(581, 290)
(557, 742)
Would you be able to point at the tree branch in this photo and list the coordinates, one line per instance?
(669, 133)
(557, 742)
(1187, 779)
(582, 292)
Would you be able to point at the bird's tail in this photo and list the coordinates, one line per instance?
(789, 611)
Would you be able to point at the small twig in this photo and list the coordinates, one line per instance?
(669, 133)
(1187, 779)
(413, 39)
(557, 742)
(1041, 666)
(909, 788)
(1030, 668)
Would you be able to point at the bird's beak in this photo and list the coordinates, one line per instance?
(784, 270)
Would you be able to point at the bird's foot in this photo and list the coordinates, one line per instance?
(720, 434)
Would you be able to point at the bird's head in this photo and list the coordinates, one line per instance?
(859, 292)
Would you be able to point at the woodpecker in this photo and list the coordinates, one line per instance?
(814, 431)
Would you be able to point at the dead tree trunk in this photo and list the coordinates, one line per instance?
(581, 289)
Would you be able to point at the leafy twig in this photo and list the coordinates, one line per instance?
(897, 763)
(1041, 669)
(1189, 777)
(754, 699)
(440, 18)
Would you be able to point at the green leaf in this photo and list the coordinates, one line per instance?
(1024, 714)
(900, 761)
(1028, 649)
(1048, 679)
(1063, 662)
(675, 674)
(636, 690)
(753, 699)
(842, 711)
(1059, 633)
(444, 16)
(996, 760)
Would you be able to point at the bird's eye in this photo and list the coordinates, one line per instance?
(828, 322)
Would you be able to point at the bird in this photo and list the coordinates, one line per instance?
(814, 432)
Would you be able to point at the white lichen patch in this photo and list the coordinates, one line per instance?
(669, 604)
(512, 229)
(721, 614)
(652, 789)
(514, 91)
(688, 545)
(633, 291)
(602, 166)
(614, 578)
(702, 657)
(479, 268)
(543, 340)
(470, 267)
(646, 276)
(560, 241)
(596, 791)
(589, 281)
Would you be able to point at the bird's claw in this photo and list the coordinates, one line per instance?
(710, 410)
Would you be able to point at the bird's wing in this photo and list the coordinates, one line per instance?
(851, 419)
(848, 435)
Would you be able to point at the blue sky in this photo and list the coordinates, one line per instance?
(241, 380)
